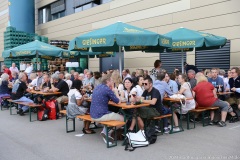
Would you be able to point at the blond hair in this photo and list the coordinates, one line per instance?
(116, 77)
(201, 78)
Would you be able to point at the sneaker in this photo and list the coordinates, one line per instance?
(222, 124)
(211, 122)
(110, 139)
(20, 111)
(196, 120)
(169, 127)
(233, 119)
(176, 129)
(166, 131)
(158, 130)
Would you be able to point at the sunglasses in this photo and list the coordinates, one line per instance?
(145, 84)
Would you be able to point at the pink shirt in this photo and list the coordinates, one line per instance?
(15, 69)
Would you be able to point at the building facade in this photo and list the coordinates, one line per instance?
(66, 19)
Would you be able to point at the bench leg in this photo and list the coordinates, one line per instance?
(115, 136)
(30, 114)
(73, 121)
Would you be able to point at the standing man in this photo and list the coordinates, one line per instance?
(191, 76)
(60, 86)
(19, 88)
(14, 68)
(6, 70)
(99, 106)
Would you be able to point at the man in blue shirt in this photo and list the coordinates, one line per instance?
(215, 79)
(172, 84)
(99, 106)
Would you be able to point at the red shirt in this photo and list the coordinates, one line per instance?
(204, 94)
(6, 70)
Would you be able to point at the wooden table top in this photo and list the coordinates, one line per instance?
(124, 105)
(45, 93)
(224, 93)
(175, 99)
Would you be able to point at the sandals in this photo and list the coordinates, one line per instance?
(88, 131)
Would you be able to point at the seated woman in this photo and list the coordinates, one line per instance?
(187, 92)
(128, 92)
(75, 105)
(4, 90)
(205, 95)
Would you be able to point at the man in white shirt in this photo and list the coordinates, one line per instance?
(125, 74)
(14, 68)
(29, 69)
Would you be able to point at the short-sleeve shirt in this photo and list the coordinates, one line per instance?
(74, 92)
(18, 90)
(63, 87)
(187, 93)
(139, 90)
(204, 94)
(4, 88)
(100, 98)
(154, 93)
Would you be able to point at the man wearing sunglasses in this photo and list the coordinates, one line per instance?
(151, 96)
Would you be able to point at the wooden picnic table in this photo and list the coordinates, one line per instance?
(224, 93)
(44, 93)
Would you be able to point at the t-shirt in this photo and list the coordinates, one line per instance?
(45, 85)
(4, 88)
(6, 70)
(74, 92)
(187, 93)
(139, 90)
(18, 90)
(34, 82)
(154, 93)
(204, 94)
(63, 87)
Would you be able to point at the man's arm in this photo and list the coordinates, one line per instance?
(151, 102)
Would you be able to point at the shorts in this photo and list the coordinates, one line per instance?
(233, 100)
(109, 117)
(223, 105)
(147, 112)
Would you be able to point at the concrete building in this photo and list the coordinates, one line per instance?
(66, 19)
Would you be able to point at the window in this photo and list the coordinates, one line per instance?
(44, 15)
(105, 1)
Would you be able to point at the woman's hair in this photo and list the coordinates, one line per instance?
(130, 79)
(97, 75)
(4, 77)
(184, 76)
(206, 72)
(77, 84)
(68, 76)
(172, 77)
(32, 76)
(116, 77)
(157, 63)
(201, 78)
(138, 78)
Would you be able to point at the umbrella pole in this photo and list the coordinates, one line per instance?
(120, 61)
(182, 60)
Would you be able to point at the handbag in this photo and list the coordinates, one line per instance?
(136, 140)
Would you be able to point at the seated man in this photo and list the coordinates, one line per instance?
(99, 106)
(215, 79)
(19, 88)
(172, 84)
(234, 83)
(60, 86)
(151, 96)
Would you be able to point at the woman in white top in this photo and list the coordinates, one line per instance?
(77, 105)
(139, 86)
(128, 93)
(117, 81)
(186, 90)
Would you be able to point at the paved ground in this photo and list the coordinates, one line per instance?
(22, 140)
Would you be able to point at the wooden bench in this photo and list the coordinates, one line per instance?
(108, 125)
(29, 104)
(160, 118)
(201, 110)
(4, 99)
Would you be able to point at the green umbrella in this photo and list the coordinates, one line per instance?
(34, 48)
(185, 38)
(113, 37)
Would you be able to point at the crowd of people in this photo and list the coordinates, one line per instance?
(141, 86)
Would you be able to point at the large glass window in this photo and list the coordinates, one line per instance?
(105, 1)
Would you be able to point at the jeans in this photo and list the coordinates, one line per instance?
(23, 99)
(165, 111)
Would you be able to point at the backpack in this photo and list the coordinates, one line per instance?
(42, 114)
(52, 106)
(135, 140)
(151, 135)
